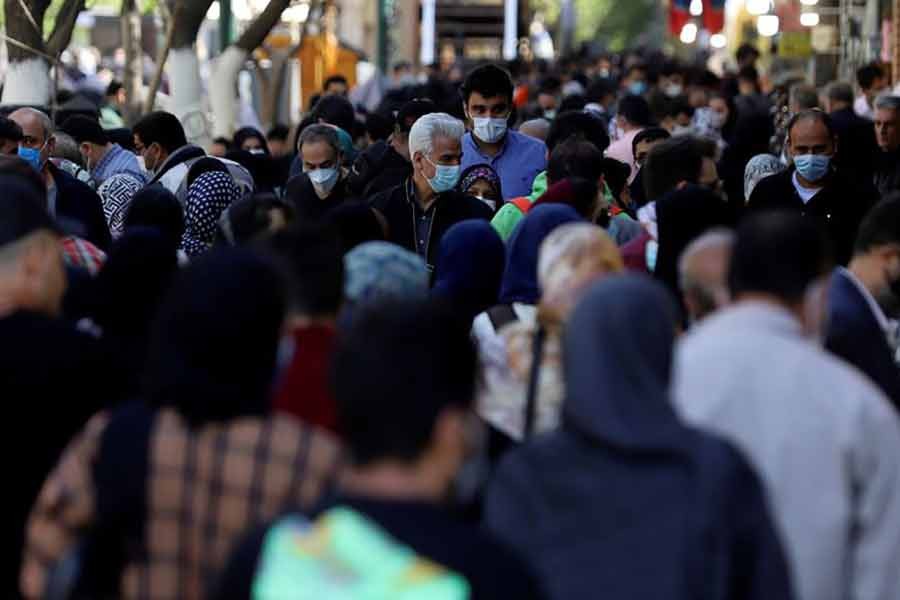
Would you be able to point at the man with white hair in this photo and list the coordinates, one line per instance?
(887, 133)
(72, 203)
(703, 273)
(421, 209)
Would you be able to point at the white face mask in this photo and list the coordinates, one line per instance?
(323, 180)
(492, 204)
(682, 130)
(717, 119)
(489, 130)
(673, 90)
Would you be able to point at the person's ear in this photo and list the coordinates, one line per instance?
(85, 148)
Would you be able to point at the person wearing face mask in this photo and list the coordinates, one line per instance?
(824, 439)
(482, 182)
(836, 201)
(323, 183)
(488, 100)
(420, 210)
(76, 207)
(635, 81)
(101, 157)
(864, 301)
(633, 116)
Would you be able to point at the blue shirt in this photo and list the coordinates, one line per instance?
(519, 161)
(117, 160)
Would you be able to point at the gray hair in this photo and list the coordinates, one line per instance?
(711, 294)
(839, 91)
(432, 126)
(320, 133)
(805, 96)
(887, 102)
(67, 148)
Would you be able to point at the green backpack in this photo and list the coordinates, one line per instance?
(345, 556)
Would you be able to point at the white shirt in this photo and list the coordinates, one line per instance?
(861, 107)
(647, 217)
(806, 194)
(824, 440)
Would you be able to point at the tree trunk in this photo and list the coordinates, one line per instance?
(28, 76)
(134, 60)
(223, 83)
(183, 68)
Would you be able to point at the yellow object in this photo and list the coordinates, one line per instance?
(322, 56)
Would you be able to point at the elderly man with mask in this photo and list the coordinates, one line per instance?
(323, 183)
(75, 206)
(420, 210)
(813, 188)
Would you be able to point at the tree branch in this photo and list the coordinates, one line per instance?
(192, 14)
(19, 27)
(256, 33)
(163, 56)
(65, 25)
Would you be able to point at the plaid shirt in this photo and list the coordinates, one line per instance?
(82, 254)
(207, 488)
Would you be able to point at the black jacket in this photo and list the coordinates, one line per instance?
(79, 209)
(450, 208)
(857, 148)
(855, 335)
(378, 169)
(887, 172)
(302, 196)
(838, 208)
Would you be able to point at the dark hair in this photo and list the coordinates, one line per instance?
(746, 51)
(651, 134)
(575, 157)
(84, 129)
(335, 79)
(812, 114)
(635, 67)
(867, 75)
(616, 174)
(749, 73)
(600, 89)
(572, 102)
(636, 109)
(223, 141)
(679, 106)
(312, 261)
(488, 80)
(155, 206)
(581, 124)
(669, 163)
(335, 110)
(378, 126)
(113, 88)
(549, 84)
(10, 130)
(248, 219)
(245, 133)
(161, 128)
(584, 196)
(382, 410)
(279, 132)
(778, 253)
(880, 226)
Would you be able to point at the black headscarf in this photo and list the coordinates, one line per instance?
(682, 216)
(155, 206)
(213, 351)
(356, 223)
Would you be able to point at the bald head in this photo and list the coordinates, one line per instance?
(536, 128)
(37, 131)
(703, 273)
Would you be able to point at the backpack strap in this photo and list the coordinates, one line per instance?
(537, 345)
(501, 315)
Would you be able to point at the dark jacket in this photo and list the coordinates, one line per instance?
(855, 335)
(302, 196)
(79, 209)
(624, 498)
(450, 208)
(857, 148)
(838, 208)
(887, 172)
(378, 169)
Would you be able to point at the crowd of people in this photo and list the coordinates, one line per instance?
(614, 326)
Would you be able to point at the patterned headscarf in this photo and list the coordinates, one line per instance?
(760, 167)
(476, 172)
(380, 271)
(116, 194)
(209, 195)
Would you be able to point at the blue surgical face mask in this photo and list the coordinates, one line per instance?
(32, 156)
(812, 167)
(489, 130)
(445, 177)
(637, 88)
(323, 180)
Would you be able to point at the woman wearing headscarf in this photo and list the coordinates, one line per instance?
(470, 268)
(208, 197)
(760, 167)
(155, 206)
(623, 499)
(524, 398)
(157, 493)
(482, 182)
(250, 139)
(116, 194)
